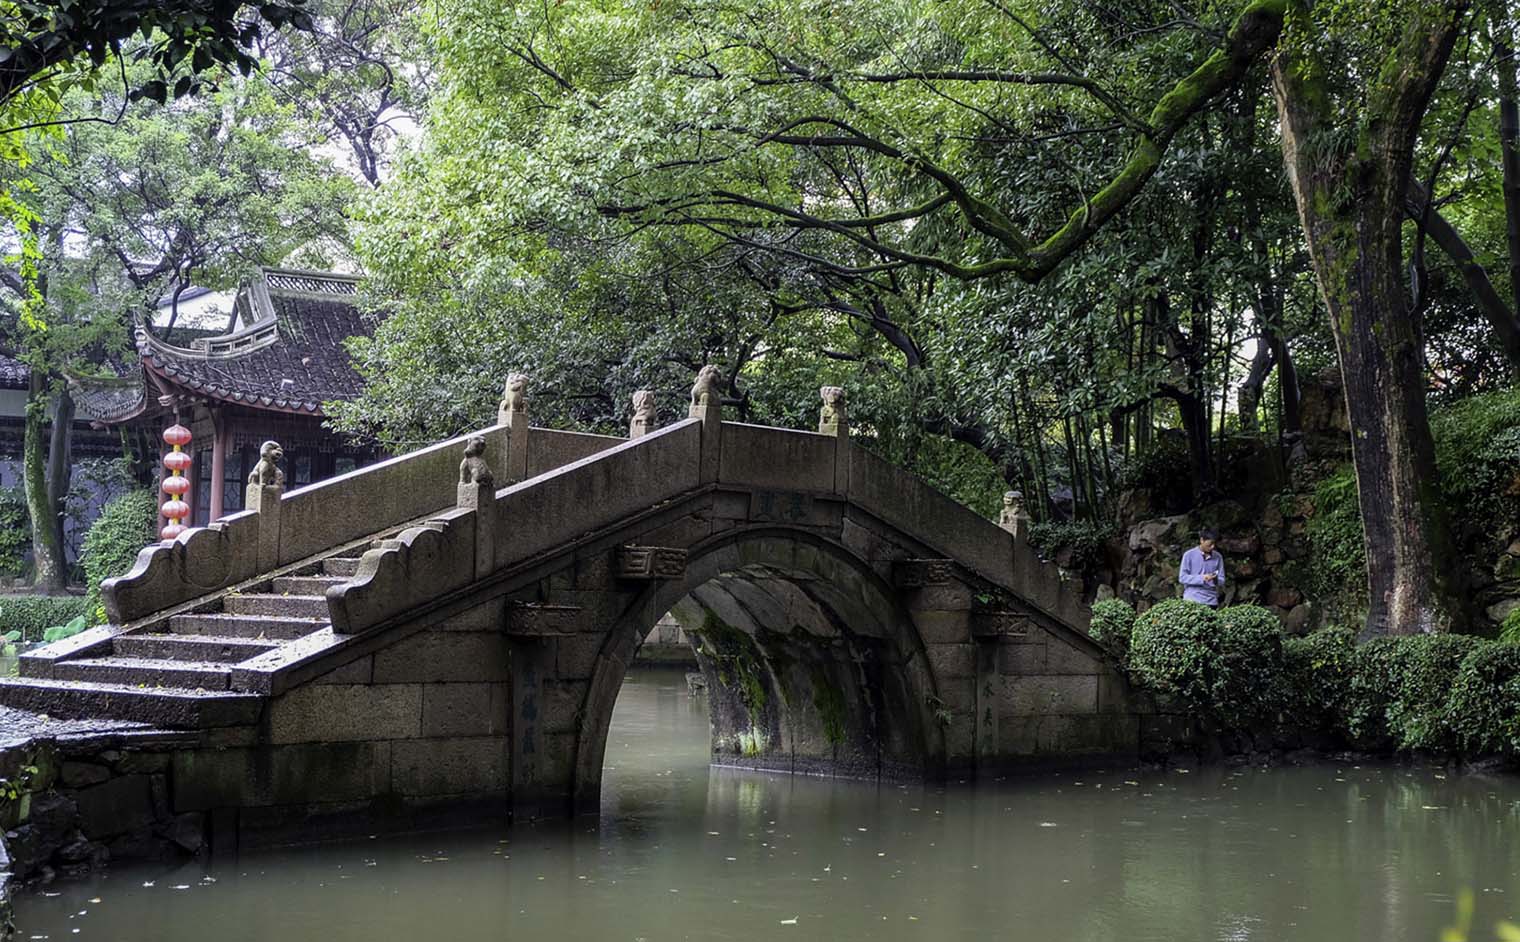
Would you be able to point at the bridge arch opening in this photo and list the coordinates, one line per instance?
(811, 665)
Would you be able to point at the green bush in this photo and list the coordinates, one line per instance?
(15, 532)
(1249, 688)
(33, 615)
(124, 527)
(1337, 570)
(1174, 651)
(1112, 622)
(1317, 679)
(1483, 710)
(1509, 631)
(1085, 539)
(1478, 453)
(1398, 691)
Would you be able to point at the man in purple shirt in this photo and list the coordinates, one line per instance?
(1202, 572)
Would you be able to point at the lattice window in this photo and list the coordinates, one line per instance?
(310, 283)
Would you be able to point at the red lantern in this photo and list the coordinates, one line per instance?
(176, 485)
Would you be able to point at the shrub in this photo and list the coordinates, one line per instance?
(1173, 650)
(1249, 687)
(1509, 631)
(33, 615)
(1112, 622)
(1477, 452)
(1399, 687)
(1317, 678)
(1483, 710)
(1337, 570)
(124, 527)
(15, 532)
(1085, 539)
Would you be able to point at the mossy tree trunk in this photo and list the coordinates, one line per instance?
(1351, 201)
(49, 564)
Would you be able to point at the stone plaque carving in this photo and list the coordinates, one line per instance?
(917, 573)
(1000, 625)
(780, 506)
(534, 620)
(650, 562)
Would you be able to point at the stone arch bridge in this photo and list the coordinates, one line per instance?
(394, 648)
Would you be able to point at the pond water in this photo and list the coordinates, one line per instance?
(681, 851)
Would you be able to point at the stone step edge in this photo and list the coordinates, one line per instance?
(168, 707)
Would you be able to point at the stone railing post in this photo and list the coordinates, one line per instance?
(643, 421)
(834, 420)
(266, 485)
(513, 413)
(707, 405)
(477, 492)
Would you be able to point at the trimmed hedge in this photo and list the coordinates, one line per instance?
(124, 527)
(30, 616)
(1113, 620)
(1234, 672)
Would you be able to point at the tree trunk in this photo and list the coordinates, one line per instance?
(1249, 401)
(1509, 151)
(47, 527)
(1351, 207)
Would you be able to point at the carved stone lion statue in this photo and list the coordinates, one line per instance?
(515, 397)
(643, 412)
(473, 469)
(704, 391)
(833, 413)
(267, 472)
(643, 405)
(1013, 510)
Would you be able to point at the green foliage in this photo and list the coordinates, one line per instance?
(1113, 621)
(33, 615)
(1483, 710)
(1174, 651)
(1398, 690)
(1317, 672)
(15, 532)
(57, 633)
(1085, 540)
(124, 527)
(1478, 455)
(1248, 674)
(1337, 569)
(1509, 631)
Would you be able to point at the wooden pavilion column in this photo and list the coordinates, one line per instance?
(218, 462)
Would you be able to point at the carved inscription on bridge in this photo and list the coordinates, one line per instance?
(918, 573)
(650, 562)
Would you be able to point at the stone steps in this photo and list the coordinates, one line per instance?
(345, 566)
(184, 709)
(145, 672)
(180, 674)
(257, 627)
(283, 606)
(202, 648)
(306, 585)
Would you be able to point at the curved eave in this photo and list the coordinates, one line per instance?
(168, 374)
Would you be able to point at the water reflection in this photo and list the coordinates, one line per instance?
(685, 852)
